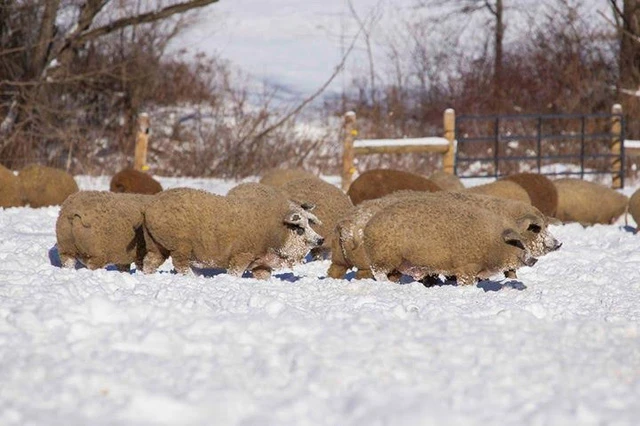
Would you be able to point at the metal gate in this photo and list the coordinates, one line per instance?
(549, 144)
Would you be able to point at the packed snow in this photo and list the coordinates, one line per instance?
(558, 346)
(375, 143)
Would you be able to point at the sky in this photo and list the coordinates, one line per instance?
(298, 44)
(558, 346)
(293, 43)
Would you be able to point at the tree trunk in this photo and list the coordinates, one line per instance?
(498, 58)
(629, 60)
(45, 37)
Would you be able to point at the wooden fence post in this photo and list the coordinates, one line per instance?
(142, 142)
(616, 146)
(449, 157)
(350, 133)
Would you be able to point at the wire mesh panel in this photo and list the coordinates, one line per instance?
(551, 144)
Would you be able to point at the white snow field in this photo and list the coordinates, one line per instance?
(558, 346)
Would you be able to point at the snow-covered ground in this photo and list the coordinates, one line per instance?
(559, 346)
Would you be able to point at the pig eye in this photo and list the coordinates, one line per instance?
(534, 228)
(297, 228)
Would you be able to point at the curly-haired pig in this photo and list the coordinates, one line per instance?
(99, 228)
(634, 208)
(446, 181)
(349, 252)
(10, 189)
(330, 204)
(502, 189)
(422, 239)
(380, 182)
(256, 229)
(46, 186)
(541, 191)
(277, 177)
(588, 203)
(134, 182)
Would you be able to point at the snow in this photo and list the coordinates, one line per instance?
(430, 141)
(273, 40)
(560, 345)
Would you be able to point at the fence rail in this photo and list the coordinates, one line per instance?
(352, 147)
(591, 143)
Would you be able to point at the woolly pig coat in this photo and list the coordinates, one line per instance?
(244, 230)
(134, 182)
(421, 239)
(541, 191)
(587, 202)
(634, 208)
(347, 245)
(349, 251)
(502, 189)
(10, 189)
(380, 182)
(46, 186)
(529, 221)
(446, 181)
(99, 228)
(330, 204)
(277, 177)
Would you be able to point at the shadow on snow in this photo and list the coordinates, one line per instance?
(486, 285)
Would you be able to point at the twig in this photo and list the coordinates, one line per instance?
(317, 93)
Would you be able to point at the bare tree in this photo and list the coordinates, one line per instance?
(39, 53)
(627, 18)
(496, 9)
(366, 26)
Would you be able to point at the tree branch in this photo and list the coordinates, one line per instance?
(317, 93)
(141, 19)
(367, 39)
(489, 6)
(62, 54)
(628, 33)
(616, 9)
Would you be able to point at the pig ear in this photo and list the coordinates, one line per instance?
(512, 238)
(308, 206)
(530, 223)
(313, 219)
(305, 205)
(293, 218)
